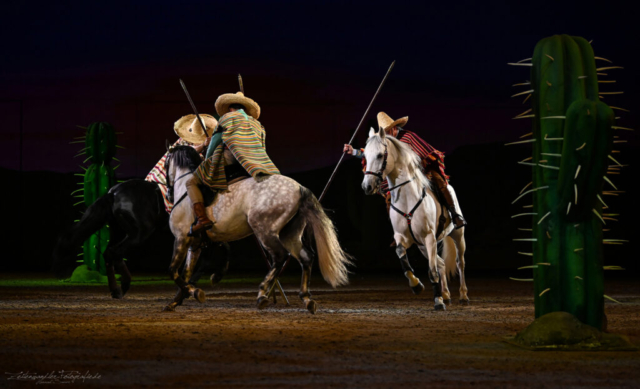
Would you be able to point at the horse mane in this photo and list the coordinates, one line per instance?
(185, 157)
(407, 157)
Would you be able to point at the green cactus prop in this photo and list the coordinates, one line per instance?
(572, 142)
(100, 148)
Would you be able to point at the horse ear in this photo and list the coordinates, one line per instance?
(167, 144)
(382, 133)
(372, 132)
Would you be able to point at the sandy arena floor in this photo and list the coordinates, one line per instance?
(373, 333)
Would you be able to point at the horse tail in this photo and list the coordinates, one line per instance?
(96, 216)
(450, 257)
(332, 259)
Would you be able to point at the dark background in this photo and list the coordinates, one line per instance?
(313, 67)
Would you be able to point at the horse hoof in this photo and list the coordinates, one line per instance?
(169, 308)
(439, 307)
(199, 295)
(263, 301)
(117, 294)
(447, 302)
(312, 306)
(464, 301)
(418, 288)
(214, 279)
(125, 287)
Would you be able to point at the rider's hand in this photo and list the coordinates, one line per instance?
(348, 149)
(207, 141)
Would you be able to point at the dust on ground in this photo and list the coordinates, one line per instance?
(373, 333)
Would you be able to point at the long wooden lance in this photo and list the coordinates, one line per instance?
(324, 191)
(193, 107)
(241, 84)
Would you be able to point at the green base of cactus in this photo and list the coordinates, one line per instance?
(562, 331)
(86, 275)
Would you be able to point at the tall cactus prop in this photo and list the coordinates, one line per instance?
(572, 142)
(98, 178)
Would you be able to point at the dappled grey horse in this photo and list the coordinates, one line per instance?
(275, 208)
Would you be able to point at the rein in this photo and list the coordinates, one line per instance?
(384, 164)
(399, 185)
(170, 187)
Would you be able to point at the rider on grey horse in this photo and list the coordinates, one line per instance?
(240, 137)
(432, 161)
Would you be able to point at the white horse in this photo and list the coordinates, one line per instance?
(416, 214)
(276, 209)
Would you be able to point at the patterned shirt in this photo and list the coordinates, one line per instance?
(159, 174)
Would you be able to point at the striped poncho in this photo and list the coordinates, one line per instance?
(244, 136)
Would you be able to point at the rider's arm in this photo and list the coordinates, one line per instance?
(358, 153)
(216, 139)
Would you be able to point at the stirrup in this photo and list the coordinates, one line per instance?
(191, 233)
(454, 216)
(464, 222)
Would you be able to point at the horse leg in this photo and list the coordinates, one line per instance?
(444, 283)
(116, 292)
(414, 283)
(115, 255)
(192, 258)
(279, 253)
(180, 248)
(291, 238)
(306, 261)
(219, 273)
(461, 247)
(125, 276)
(110, 256)
(430, 250)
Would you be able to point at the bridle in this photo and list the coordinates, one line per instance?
(171, 186)
(380, 172)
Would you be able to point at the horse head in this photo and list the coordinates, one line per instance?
(180, 158)
(379, 162)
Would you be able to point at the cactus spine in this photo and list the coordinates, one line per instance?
(572, 141)
(100, 148)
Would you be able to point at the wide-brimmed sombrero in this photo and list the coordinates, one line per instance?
(385, 122)
(188, 128)
(224, 101)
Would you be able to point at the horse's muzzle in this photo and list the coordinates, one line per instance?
(370, 185)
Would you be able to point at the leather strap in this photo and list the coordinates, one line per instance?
(409, 215)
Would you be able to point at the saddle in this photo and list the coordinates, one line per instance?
(234, 172)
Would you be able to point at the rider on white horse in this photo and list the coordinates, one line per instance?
(432, 161)
(240, 136)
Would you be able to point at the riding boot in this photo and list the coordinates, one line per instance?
(441, 184)
(202, 221)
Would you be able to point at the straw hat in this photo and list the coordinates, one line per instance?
(224, 101)
(189, 128)
(385, 122)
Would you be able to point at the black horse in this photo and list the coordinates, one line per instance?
(134, 210)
